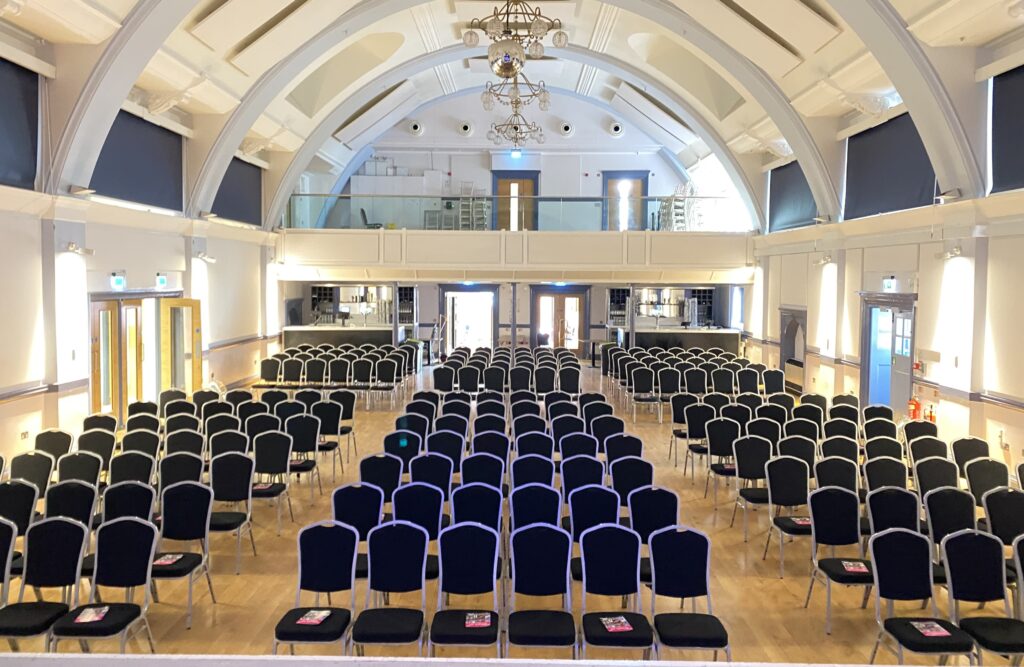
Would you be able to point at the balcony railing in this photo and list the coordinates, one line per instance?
(561, 214)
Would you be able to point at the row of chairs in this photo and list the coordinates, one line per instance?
(498, 378)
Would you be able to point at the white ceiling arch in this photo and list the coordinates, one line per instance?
(99, 91)
(214, 156)
(927, 99)
(284, 176)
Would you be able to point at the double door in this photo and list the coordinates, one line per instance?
(560, 320)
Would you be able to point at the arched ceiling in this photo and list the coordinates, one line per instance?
(759, 82)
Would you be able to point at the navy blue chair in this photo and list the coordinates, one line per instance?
(397, 560)
(650, 509)
(433, 469)
(532, 469)
(490, 422)
(468, 556)
(534, 503)
(327, 564)
(540, 568)
(360, 506)
(681, 569)
(629, 473)
(185, 517)
(484, 468)
(405, 445)
(577, 444)
(579, 471)
(495, 443)
(611, 567)
(536, 443)
(477, 503)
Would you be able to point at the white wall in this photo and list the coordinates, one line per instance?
(234, 295)
(23, 348)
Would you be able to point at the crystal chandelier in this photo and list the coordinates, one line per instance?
(516, 130)
(516, 23)
(508, 91)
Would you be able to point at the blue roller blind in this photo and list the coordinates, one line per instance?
(240, 196)
(19, 125)
(1007, 129)
(140, 162)
(790, 202)
(887, 169)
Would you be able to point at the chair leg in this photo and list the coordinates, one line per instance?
(810, 588)
(252, 539)
(782, 555)
(828, 606)
(767, 543)
(874, 651)
(149, 636)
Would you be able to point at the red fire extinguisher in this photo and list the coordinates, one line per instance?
(913, 408)
(930, 416)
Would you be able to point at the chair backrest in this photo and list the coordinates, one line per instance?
(837, 471)
(433, 469)
(680, 563)
(983, 475)
(835, 516)
(53, 554)
(948, 510)
(34, 467)
(18, 503)
(902, 565)
(840, 446)
(878, 428)
(883, 446)
(132, 467)
(484, 468)
(611, 560)
(764, 427)
(305, 432)
(842, 411)
(467, 560)
(651, 509)
(590, 506)
(1004, 509)
(531, 469)
(721, 433)
(453, 422)
(359, 505)
(975, 569)
(54, 442)
(534, 503)
(180, 467)
(751, 453)
(839, 427)
(191, 442)
(914, 429)
(629, 473)
(128, 499)
(893, 507)
(697, 416)
(383, 471)
(182, 422)
(927, 446)
(477, 503)
(885, 471)
(535, 442)
(146, 442)
(327, 558)
(185, 511)
(97, 441)
(102, 422)
(421, 504)
(933, 473)
(125, 548)
(540, 562)
(804, 428)
(72, 499)
(231, 475)
(966, 450)
(788, 481)
(397, 559)
(799, 446)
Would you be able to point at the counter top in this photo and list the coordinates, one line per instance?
(673, 330)
(337, 327)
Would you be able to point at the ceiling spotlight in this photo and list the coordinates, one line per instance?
(206, 258)
(80, 191)
(955, 251)
(822, 219)
(948, 196)
(79, 250)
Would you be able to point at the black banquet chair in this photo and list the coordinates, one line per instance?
(540, 568)
(327, 563)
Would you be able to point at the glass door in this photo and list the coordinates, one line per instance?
(560, 317)
(116, 369)
(181, 345)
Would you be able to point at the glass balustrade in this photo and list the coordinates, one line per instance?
(554, 214)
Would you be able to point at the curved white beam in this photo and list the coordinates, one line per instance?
(885, 34)
(216, 155)
(823, 183)
(290, 173)
(106, 86)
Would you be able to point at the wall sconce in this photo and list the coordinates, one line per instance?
(956, 251)
(208, 215)
(826, 259)
(80, 191)
(79, 250)
(822, 219)
(206, 258)
(948, 196)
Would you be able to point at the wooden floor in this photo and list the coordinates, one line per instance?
(763, 613)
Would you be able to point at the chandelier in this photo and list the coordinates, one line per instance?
(516, 130)
(508, 91)
(517, 28)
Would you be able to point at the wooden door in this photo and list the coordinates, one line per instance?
(131, 353)
(105, 369)
(560, 320)
(516, 204)
(181, 345)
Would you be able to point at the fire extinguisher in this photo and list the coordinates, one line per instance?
(914, 408)
(930, 416)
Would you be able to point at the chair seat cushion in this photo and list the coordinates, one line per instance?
(903, 630)
(27, 619)
(271, 491)
(181, 567)
(221, 522)
(757, 496)
(836, 570)
(792, 525)
(297, 466)
(646, 398)
(17, 564)
(999, 635)
(698, 449)
(362, 566)
(331, 629)
(724, 469)
(679, 433)
(117, 618)
(391, 625)
(433, 568)
(541, 628)
(596, 634)
(449, 627)
(327, 445)
(576, 568)
(344, 430)
(691, 631)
